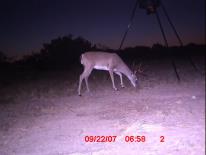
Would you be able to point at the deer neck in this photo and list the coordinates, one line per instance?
(126, 71)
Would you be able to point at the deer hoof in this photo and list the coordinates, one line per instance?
(115, 89)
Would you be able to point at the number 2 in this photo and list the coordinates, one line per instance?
(162, 139)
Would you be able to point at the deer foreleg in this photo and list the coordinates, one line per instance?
(121, 80)
(112, 78)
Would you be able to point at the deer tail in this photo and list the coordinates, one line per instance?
(82, 59)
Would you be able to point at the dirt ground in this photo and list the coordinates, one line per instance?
(44, 115)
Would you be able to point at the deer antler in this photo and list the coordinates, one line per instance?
(133, 65)
(139, 69)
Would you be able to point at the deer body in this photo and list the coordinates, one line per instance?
(105, 61)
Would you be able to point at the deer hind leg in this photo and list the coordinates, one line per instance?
(112, 77)
(87, 85)
(121, 80)
(84, 76)
(80, 84)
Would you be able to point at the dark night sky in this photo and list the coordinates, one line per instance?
(26, 24)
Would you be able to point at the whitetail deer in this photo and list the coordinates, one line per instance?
(105, 61)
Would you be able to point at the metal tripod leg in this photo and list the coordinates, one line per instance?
(194, 65)
(161, 28)
(175, 69)
(129, 25)
(178, 37)
(171, 24)
(166, 44)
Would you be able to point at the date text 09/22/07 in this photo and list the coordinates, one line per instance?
(105, 139)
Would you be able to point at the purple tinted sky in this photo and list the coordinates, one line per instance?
(26, 24)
